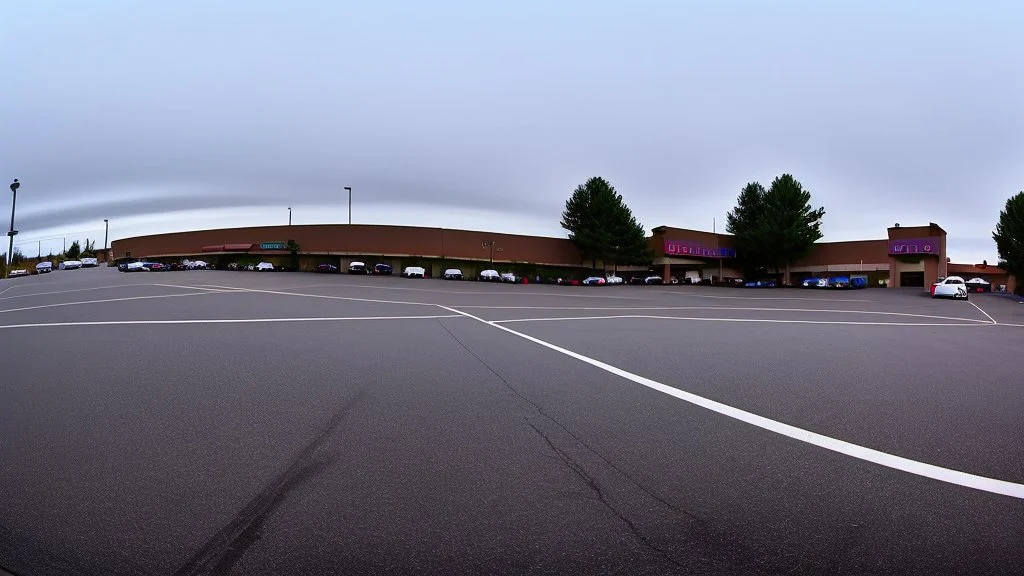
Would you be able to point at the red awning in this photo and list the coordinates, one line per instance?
(237, 247)
(213, 248)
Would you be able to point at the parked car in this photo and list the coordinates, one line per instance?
(414, 272)
(70, 265)
(264, 267)
(383, 269)
(839, 282)
(759, 284)
(453, 274)
(357, 268)
(614, 279)
(815, 283)
(44, 267)
(509, 277)
(196, 265)
(155, 266)
(327, 268)
(90, 263)
(490, 276)
(950, 287)
(637, 280)
(654, 280)
(978, 285)
(17, 273)
(594, 281)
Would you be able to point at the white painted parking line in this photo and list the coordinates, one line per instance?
(763, 297)
(113, 287)
(900, 463)
(59, 304)
(232, 289)
(748, 320)
(983, 312)
(225, 321)
(197, 287)
(481, 292)
(732, 308)
(4, 291)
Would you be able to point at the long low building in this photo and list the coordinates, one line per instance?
(908, 256)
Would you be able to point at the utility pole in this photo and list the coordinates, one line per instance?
(289, 215)
(10, 234)
(106, 236)
(39, 249)
(349, 188)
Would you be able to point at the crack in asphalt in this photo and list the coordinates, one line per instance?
(219, 554)
(540, 410)
(578, 468)
(595, 487)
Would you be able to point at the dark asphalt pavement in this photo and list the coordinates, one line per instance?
(432, 443)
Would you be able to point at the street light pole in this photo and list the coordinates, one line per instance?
(106, 236)
(10, 234)
(349, 189)
(289, 215)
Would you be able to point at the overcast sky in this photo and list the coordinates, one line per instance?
(179, 115)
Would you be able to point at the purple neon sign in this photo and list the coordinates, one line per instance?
(687, 248)
(915, 246)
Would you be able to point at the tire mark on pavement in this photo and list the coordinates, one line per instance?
(228, 545)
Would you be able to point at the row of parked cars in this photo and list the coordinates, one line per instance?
(359, 268)
(145, 266)
(47, 267)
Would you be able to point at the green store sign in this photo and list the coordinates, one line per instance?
(273, 246)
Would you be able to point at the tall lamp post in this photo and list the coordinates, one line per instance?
(10, 233)
(106, 236)
(289, 215)
(349, 189)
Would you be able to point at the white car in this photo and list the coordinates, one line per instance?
(196, 265)
(16, 273)
(44, 267)
(357, 268)
(614, 280)
(264, 266)
(950, 287)
(453, 274)
(70, 265)
(414, 272)
(90, 263)
(509, 277)
(490, 276)
(136, 267)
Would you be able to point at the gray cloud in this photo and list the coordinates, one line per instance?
(887, 112)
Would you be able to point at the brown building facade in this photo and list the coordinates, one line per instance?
(908, 256)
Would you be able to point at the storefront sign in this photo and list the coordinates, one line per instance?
(273, 246)
(914, 246)
(687, 248)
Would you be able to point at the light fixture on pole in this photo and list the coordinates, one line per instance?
(490, 244)
(12, 232)
(349, 189)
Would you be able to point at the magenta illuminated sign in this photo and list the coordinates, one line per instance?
(914, 246)
(687, 248)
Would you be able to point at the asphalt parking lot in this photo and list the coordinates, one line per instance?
(215, 422)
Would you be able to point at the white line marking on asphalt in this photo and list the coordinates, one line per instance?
(59, 304)
(762, 297)
(863, 453)
(481, 292)
(226, 321)
(8, 288)
(80, 290)
(983, 312)
(749, 320)
(233, 289)
(732, 308)
(197, 287)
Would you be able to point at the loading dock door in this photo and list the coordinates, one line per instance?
(912, 279)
